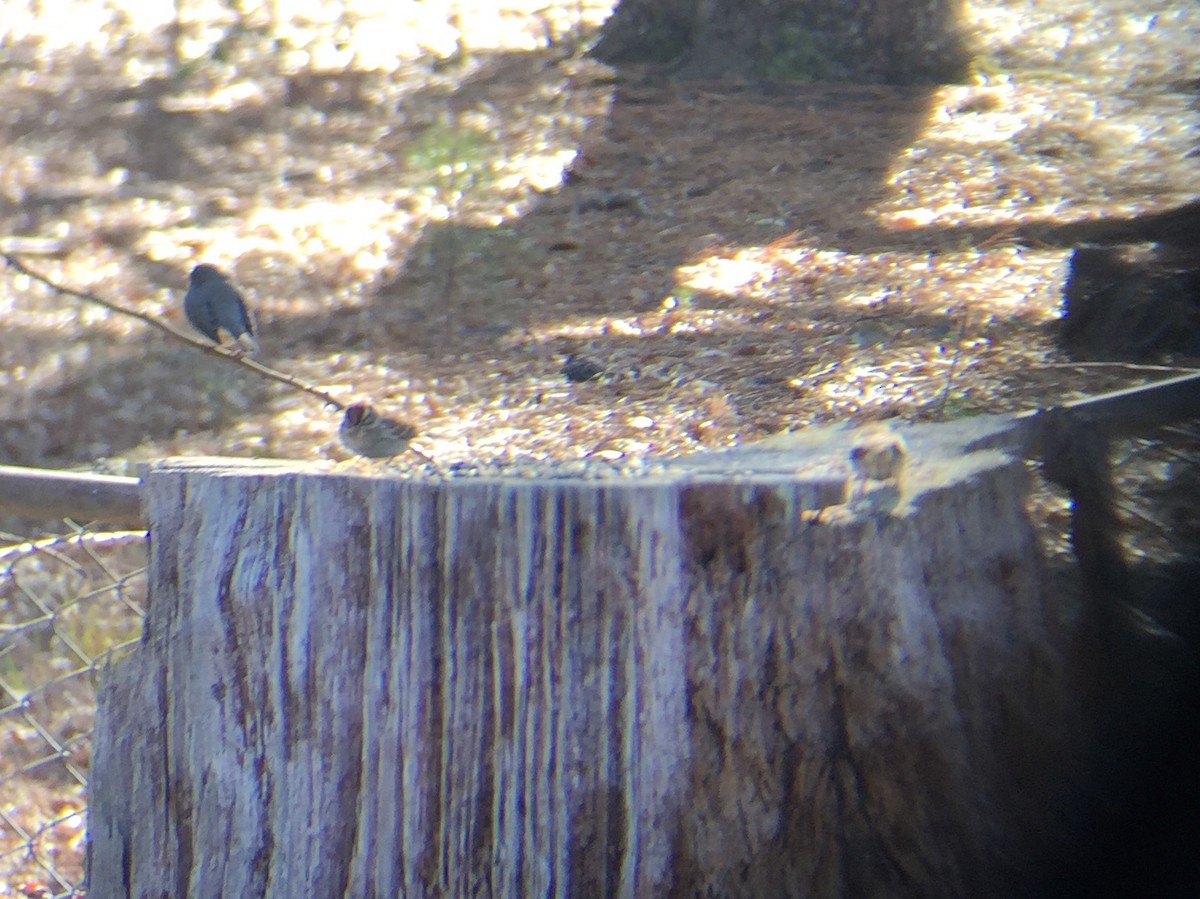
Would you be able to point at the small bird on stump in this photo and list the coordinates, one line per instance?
(367, 433)
(217, 310)
(879, 457)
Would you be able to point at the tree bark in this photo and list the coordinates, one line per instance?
(893, 41)
(720, 678)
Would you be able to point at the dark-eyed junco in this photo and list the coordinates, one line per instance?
(217, 310)
(366, 432)
(580, 368)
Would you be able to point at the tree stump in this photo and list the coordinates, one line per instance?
(731, 675)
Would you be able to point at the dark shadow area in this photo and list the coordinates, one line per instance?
(1122, 304)
(1136, 537)
(888, 42)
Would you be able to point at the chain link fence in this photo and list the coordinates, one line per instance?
(1157, 481)
(69, 604)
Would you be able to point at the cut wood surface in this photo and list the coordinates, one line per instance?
(739, 674)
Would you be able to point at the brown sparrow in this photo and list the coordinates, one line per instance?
(878, 459)
(879, 455)
(367, 433)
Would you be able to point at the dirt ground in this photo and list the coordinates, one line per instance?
(433, 224)
(430, 205)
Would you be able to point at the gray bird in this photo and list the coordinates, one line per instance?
(217, 310)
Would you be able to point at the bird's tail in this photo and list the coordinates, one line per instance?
(243, 344)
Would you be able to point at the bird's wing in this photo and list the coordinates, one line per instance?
(200, 313)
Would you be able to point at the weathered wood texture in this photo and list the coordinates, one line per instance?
(670, 685)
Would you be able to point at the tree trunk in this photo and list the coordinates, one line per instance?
(720, 678)
(893, 41)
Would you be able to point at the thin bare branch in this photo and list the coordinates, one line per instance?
(256, 367)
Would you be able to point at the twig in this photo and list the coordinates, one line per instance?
(283, 378)
(256, 367)
(945, 396)
(153, 322)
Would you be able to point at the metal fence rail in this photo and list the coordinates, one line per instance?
(68, 605)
